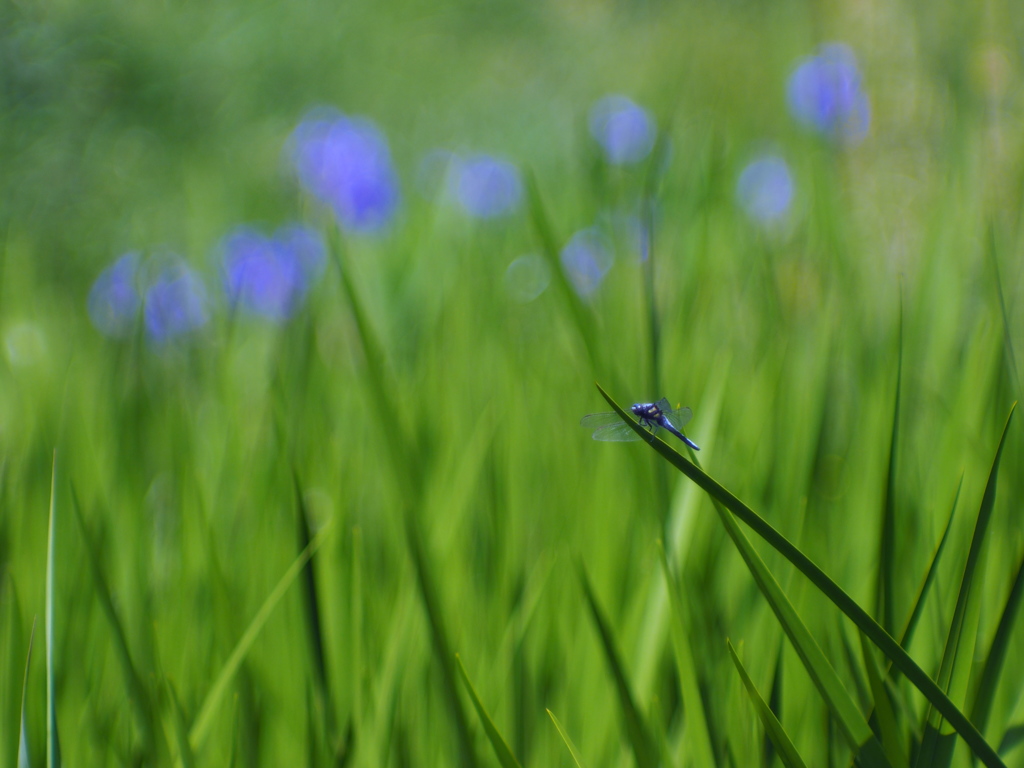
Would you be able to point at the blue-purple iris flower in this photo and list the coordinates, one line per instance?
(176, 303)
(765, 189)
(625, 130)
(825, 93)
(586, 259)
(114, 299)
(345, 162)
(270, 276)
(487, 187)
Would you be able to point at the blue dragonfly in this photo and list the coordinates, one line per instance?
(610, 426)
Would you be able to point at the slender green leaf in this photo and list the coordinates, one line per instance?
(439, 638)
(992, 671)
(915, 614)
(917, 676)
(311, 613)
(637, 730)
(1014, 735)
(577, 758)
(137, 693)
(884, 595)
(772, 727)
(550, 249)
(52, 736)
(698, 739)
(207, 711)
(957, 655)
(24, 755)
(186, 758)
(498, 743)
(884, 714)
(1007, 336)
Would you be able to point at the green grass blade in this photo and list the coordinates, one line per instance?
(867, 751)
(1014, 735)
(577, 758)
(24, 756)
(143, 710)
(884, 595)
(440, 641)
(381, 383)
(52, 735)
(783, 744)
(915, 614)
(550, 249)
(498, 743)
(311, 613)
(637, 731)
(874, 631)
(955, 667)
(992, 670)
(186, 758)
(993, 253)
(884, 714)
(201, 726)
(698, 739)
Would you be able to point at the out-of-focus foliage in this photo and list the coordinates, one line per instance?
(360, 264)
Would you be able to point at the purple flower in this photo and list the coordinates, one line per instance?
(487, 187)
(114, 298)
(175, 303)
(270, 276)
(825, 94)
(527, 278)
(765, 189)
(345, 162)
(625, 130)
(586, 259)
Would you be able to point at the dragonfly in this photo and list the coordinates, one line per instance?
(610, 426)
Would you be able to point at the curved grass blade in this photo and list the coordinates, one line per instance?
(201, 726)
(1014, 735)
(186, 758)
(24, 757)
(884, 714)
(314, 626)
(955, 667)
(143, 709)
(549, 248)
(697, 736)
(884, 595)
(439, 639)
(498, 743)
(854, 728)
(915, 614)
(637, 730)
(772, 727)
(577, 758)
(900, 658)
(382, 383)
(990, 674)
(52, 736)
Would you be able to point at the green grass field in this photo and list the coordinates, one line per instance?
(374, 534)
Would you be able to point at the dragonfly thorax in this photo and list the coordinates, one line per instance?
(646, 410)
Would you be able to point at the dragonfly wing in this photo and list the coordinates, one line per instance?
(678, 419)
(596, 420)
(619, 433)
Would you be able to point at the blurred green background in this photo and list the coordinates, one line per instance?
(161, 126)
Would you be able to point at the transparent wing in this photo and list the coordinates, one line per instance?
(677, 419)
(609, 427)
(619, 433)
(595, 420)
